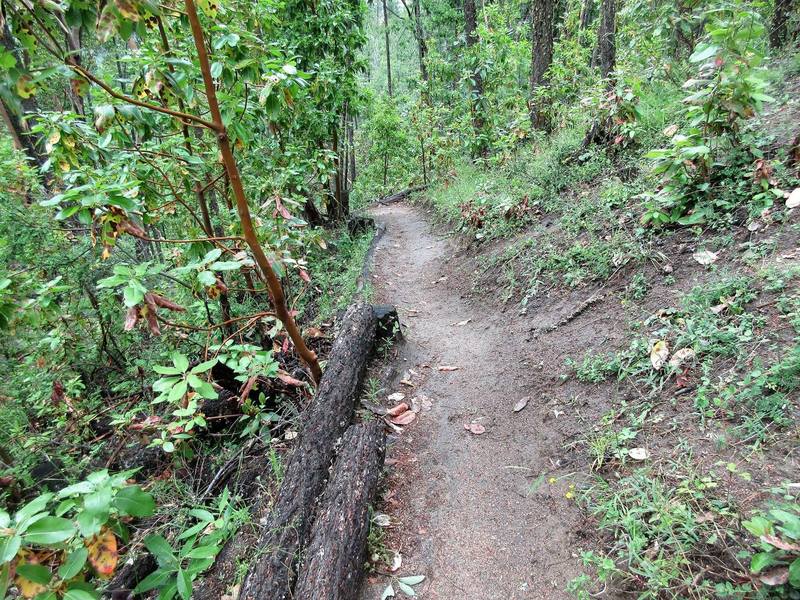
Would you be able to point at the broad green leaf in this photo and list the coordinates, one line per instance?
(49, 530)
(33, 507)
(178, 391)
(226, 266)
(761, 560)
(412, 579)
(388, 592)
(98, 502)
(35, 573)
(184, 582)
(5, 519)
(73, 564)
(180, 361)
(794, 573)
(160, 548)
(166, 370)
(204, 552)
(406, 589)
(9, 546)
(134, 502)
(156, 579)
(204, 366)
(75, 594)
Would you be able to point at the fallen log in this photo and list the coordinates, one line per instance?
(400, 196)
(288, 525)
(332, 566)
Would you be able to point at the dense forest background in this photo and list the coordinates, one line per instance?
(181, 187)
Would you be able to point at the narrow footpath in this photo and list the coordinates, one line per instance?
(474, 512)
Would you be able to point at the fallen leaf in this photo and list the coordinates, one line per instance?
(314, 332)
(670, 131)
(705, 257)
(779, 543)
(415, 405)
(462, 323)
(396, 397)
(681, 356)
(638, 453)
(475, 428)
(290, 435)
(407, 382)
(521, 403)
(382, 520)
(405, 418)
(776, 576)
(659, 354)
(397, 410)
(103, 555)
(793, 201)
(397, 561)
(288, 379)
(447, 368)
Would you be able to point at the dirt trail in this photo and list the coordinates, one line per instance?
(475, 514)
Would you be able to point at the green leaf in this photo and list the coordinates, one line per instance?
(226, 266)
(216, 70)
(204, 366)
(412, 579)
(201, 387)
(9, 546)
(202, 514)
(178, 391)
(204, 552)
(166, 370)
(49, 530)
(132, 295)
(33, 507)
(134, 502)
(406, 589)
(74, 563)
(703, 54)
(75, 594)
(388, 592)
(761, 560)
(206, 278)
(99, 502)
(184, 584)
(5, 519)
(35, 573)
(156, 579)
(180, 361)
(794, 573)
(160, 548)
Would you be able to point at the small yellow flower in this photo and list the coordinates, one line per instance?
(569, 495)
(551, 480)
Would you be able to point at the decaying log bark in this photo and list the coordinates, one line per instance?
(331, 567)
(288, 526)
(400, 196)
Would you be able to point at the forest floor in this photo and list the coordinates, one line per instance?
(467, 508)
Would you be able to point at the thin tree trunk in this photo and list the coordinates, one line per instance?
(587, 12)
(471, 34)
(352, 170)
(248, 229)
(388, 51)
(541, 57)
(778, 27)
(606, 38)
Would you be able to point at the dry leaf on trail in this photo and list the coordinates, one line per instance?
(447, 368)
(397, 561)
(404, 418)
(521, 403)
(638, 453)
(659, 354)
(681, 356)
(382, 520)
(475, 428)
(461, 323)
(288, 379)
(779, 543)
(290, 435)
(407, 382)
(314, 332)
(705, 257)
(793, 201)
(415, 405)
(776, 576)
(425, 403)
(396, 397)
(397, 410)
(103, 555)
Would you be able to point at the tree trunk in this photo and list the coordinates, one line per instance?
(779, 25)
(587, 12)
(541, 57)
(288, 527)
(351, 171)
(422, 44)
(332, 565)
(606, 39)
(471, 34)
(388, 51)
